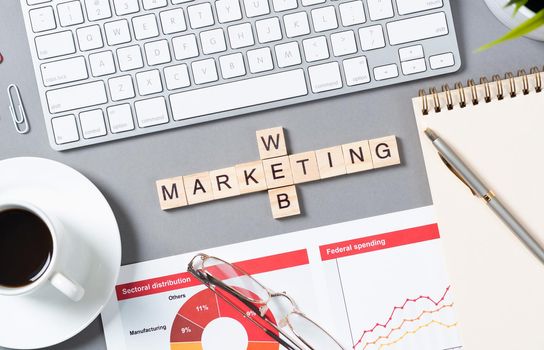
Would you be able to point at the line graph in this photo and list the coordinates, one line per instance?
(417, 330)
(399, 308)
(406, 321)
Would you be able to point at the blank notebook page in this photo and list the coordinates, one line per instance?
(498, 284)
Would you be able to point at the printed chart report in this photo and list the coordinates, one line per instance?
(376, 284)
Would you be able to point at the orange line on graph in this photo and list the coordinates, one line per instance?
(397, 308)
(406, 320)
(416, 330)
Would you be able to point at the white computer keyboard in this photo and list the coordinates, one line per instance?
(111, 69)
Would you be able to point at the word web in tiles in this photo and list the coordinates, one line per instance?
(278, 172)
(375, 284)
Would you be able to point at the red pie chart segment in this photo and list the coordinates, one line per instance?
(203, 308)
(184, 330)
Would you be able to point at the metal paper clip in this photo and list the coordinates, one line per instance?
(20, 121)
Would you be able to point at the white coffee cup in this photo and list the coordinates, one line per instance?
(63, 248)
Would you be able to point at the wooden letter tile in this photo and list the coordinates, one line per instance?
(330, 162)
(224, 183)
(304, 167)
(198, 188)
(171, 193)
(277, 172)
(384, 151)
(251, 177)
(357, 156)
(271, 143)
(284, 202)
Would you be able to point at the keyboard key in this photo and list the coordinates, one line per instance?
(42, 19)
(204, 71)
(343, 43)
(411, 6)
(386, 72)
(173, 21)
(70, 13)
(284, 5)
(417, 28)
(121, 88)
(213, 41)
(232, 65)
(151, 112)
(185, 47)
(65, 129)
(157, 52)
(75, 97)
(256, 8)
(356, 71)
(36, 2)
(154, 4)
(241, 35)
(89, 38)
(200, 15)
(268, 30)
(175, 2)
(325, 77)
(324, 19)
(55, 45)
(101, 63)
(411, 53)
(130, 58)
(117, 32)
(442, 60)
(176, 77)
(260, 60)
(145, 27)
(98, 9)
(92, 124)
(125, 7)
(64, 71)
(380, 9)
(352, 13)
(149, 82)
(238, 94)
(312, 2)
(228, 10)
(296, 24)
(315, 49)
(120, 118)
(288, 54)
(371, 38)
(414, 66)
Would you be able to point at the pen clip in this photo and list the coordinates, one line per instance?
(456, 173)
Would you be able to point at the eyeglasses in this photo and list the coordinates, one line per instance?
(227, 280)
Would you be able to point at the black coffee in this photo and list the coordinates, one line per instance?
(26, 247)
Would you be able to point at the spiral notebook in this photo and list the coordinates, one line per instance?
(497, 127)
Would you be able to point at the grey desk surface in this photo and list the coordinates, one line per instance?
(125, 171)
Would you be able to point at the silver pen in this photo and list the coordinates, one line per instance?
(478, 188)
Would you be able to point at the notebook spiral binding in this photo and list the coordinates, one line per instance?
(474, 97)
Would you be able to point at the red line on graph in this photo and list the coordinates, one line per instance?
(397, 308)
(406, 320)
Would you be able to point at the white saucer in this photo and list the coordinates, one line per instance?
(47, 317)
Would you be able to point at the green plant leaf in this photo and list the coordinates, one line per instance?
(526, 27)
(519, 4)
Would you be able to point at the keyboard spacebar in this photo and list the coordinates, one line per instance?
(238, 94)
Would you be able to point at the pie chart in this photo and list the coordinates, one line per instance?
(207, 322)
